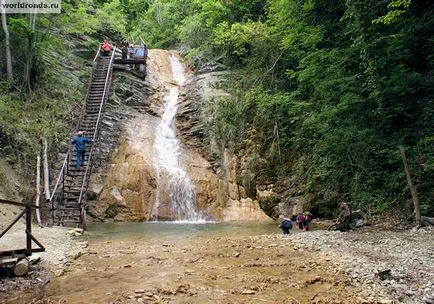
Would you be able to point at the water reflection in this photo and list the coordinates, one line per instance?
(166, 231)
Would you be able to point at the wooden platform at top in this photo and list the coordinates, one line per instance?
(130, 61)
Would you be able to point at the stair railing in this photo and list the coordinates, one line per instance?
(83, 189)
(60, 179)
(60, 182)
(89, 87)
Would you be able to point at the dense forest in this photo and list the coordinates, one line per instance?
(328, 89)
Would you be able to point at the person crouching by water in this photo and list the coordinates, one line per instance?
(80, 142)
(285, 224)
(303, 220)
(105, 48)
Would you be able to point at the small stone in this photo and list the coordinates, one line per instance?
(237, 254)
(34, 260)
(384, 301)
(139, 291)
(248, 292)
(363, 301)
(409, 292)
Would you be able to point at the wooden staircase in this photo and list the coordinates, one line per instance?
(70, 204)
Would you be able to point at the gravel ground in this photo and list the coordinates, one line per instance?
(396, 264)
(61, 247)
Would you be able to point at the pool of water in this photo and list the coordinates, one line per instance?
(176, 230)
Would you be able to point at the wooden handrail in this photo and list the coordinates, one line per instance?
(8, 202)
(89, 87)
(83, 188)
(97, 54)
(65, 163)
(63, 169)
(29, 237)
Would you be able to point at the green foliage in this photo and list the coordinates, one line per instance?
(326, 89)
(397, 7)
(112, 20)
(235, 40)
(332, 92)
(227, 122)
(158, 23)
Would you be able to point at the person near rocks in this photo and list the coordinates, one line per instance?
(145, 51)
(105, 48)
(124, 50)
(303, 220)
(80, 142)
(285, 224)
(131, 51)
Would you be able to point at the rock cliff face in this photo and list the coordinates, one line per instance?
(124, 182)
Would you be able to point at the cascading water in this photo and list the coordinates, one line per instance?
(171, 177)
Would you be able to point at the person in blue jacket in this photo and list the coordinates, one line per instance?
(80, 142)
(285, 224)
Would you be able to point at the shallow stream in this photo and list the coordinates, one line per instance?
(172, 231)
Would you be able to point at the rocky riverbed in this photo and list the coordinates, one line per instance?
(366, 266)
(396, 265)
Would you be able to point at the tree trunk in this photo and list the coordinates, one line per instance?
(30, 47)
(46, 170)
(38, 189)
(411, 186)
(21, 267)
(7, 44)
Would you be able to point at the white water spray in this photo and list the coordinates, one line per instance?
(171, 177)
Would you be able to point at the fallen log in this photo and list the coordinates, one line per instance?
(21, 267)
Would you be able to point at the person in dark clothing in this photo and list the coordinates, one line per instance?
(285, 224)
(80, 142)
(124, 50)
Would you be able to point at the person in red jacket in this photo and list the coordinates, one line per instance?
(303, 220)
(106, 48)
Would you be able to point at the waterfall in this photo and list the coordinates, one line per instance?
(171, 177)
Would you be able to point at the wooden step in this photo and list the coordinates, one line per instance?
(69, 212)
